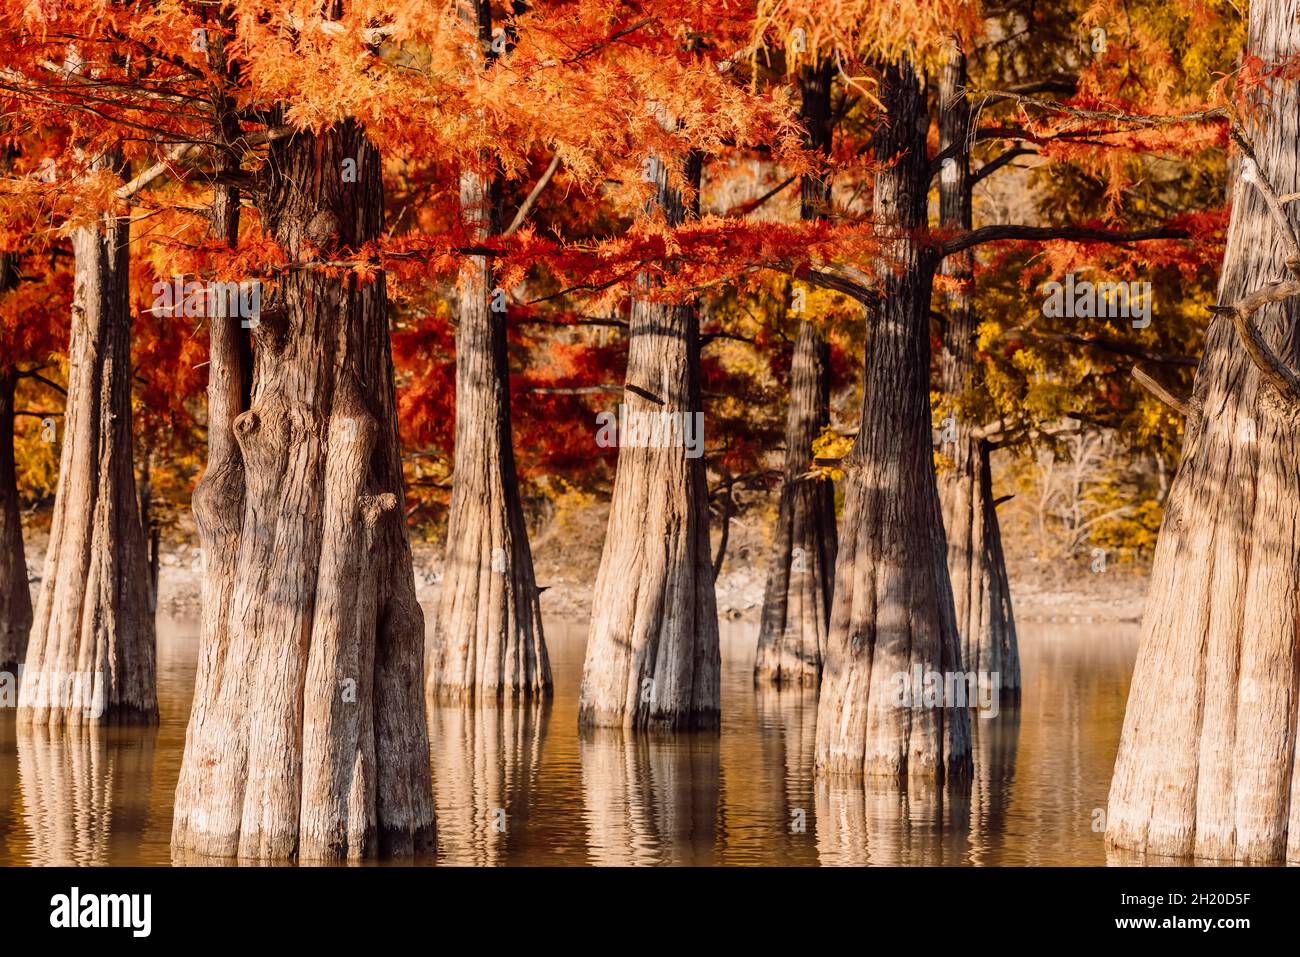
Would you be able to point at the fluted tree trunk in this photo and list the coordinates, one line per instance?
(487, 640)
(15, 596)
(91, 655)
(1207, 758)
(652, 648)
(800, 576)
(976, 564)
(307, 736)
(893, 609)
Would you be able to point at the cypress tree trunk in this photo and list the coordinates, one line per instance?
(1206, 762)
(91, 655)
(488, 639)
(652, 648)
(893, 609)
(981, 592)
(15, 596)
(800, 577)
(307, 736)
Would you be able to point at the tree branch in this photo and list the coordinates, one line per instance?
(995, 164)
(999, 233)
(1272, 368)
(1181, 406)
(527, 205)
(1251, 173)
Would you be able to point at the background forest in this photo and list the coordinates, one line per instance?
(382, 339)
(1090, 461)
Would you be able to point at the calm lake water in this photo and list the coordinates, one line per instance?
(521, 786)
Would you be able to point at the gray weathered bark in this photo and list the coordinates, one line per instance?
(652, 648)
(91, 655)
(800, 577)
(1207, 763)
(976, 564)
(893, 607)
(307, 735)
(487, 639)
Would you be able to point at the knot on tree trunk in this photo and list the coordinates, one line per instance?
(1282, 409)
(246, 424)
(322, 230)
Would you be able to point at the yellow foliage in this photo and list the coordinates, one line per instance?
(830, 445)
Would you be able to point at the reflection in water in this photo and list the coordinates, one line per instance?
(9, 840)
(789, 718)
(994, 743)
(84, 791)
(650, 799)
(485, 760)
(744, 795)
(886, 822)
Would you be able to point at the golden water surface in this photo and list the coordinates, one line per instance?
(521, 786)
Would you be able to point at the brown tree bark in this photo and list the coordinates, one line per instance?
(91, 655)
(800, 577)
(893, 608)
(976, 565)
(652, 648)
(15, 595)
(1207, 763)
(307, 736)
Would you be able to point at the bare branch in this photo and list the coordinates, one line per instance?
(1180, 406)
(998, 233)
(1272, 368)
(1111, 116)
(995, 164)
(527, 205)
(1252, 173)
